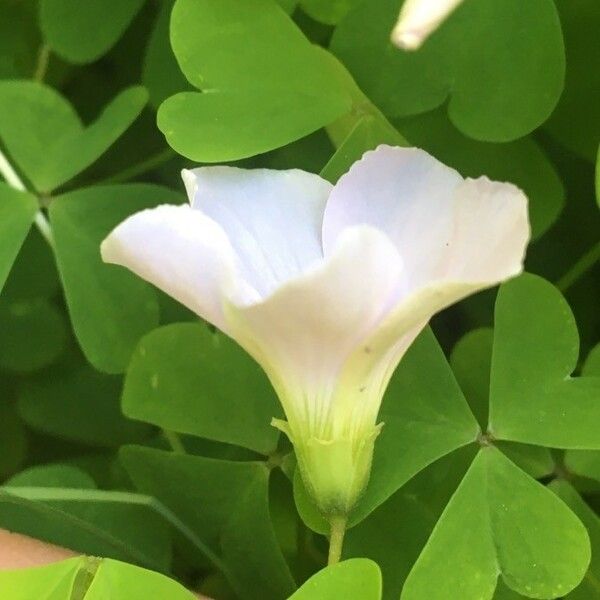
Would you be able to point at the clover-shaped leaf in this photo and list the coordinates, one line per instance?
(500, 522)
(82, 31)
(33, 334)
(471, 361)
(354, 578)
(500, 85)
(590, 586)
(119, 525)
(264, 85)
(17, 210)
(329, 12)
(586, 463)
(89, 578)
(46, 138)
(234, 524)
(161, 75)
(109, 307)
(533, 398)
(576, 120)
(51, 403)
(185, 378)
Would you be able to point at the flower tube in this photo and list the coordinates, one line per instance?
(328, 286)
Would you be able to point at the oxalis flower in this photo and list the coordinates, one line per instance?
(419, 19)
(327, 286)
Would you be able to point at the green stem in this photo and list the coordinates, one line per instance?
(336, 538)
(14, 181)
(580, 268)
(140, 168)
(174, 441)
(42, 63)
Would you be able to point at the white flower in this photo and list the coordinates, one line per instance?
(327, 286)
(419, 19)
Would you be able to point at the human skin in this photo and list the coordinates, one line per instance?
(22, 552)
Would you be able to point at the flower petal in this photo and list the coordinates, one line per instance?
(272, 218)
(182, 252)
(443, 226)
(487, 246)
(303, 333)
(419, 19)
(404, 192)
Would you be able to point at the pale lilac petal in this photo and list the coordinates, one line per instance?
(303, 333)
(182, 252)
(419, 19)
(405, 193)
(272, 218)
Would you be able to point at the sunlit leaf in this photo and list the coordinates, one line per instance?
(46, 138)
(500, 521)
(110, 308)
(354, 578)
(500, 85)
(234, 521)
(533, 397)
(185, 378)
(17, 210)
(264, 84)
(83, 31)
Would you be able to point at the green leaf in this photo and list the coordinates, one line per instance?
(90, 578)
(471, 361)
(34, 273)
(500, 85)
(17, 210)
(50, 582)
(234, 518)
(521, 162)
(184, 378)
(52, 403)
(19, 39)
(13, 437)
(52, 475)
(161, 74)
(533, 397)
(116, 524)
(500, 521)
(425, 417)
(394, 534)
(45, 136)
(115, 579)
(82, 31)
(368, 133)
(598, 177)
(33, 334)
(354, 578)
(592, 362)
(329, 12)
(257, 86)
(576, 120)
(585, 463)
(590, 586)
(110, 308)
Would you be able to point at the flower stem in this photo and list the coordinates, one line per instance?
(174, 441)
(140, 168)
(12, 178)
(337, 524)
(42, 63)
(580, 268)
